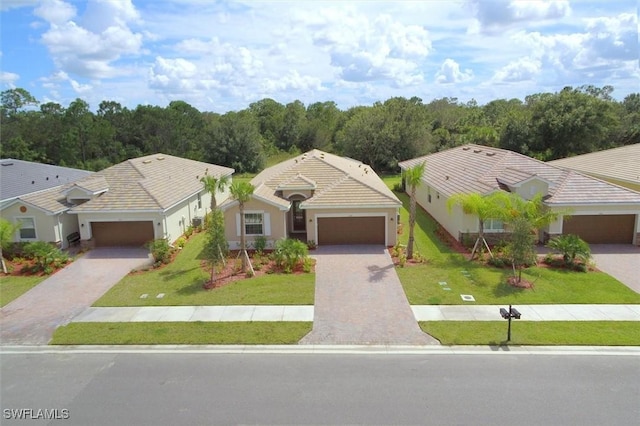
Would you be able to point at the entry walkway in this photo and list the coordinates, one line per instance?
(306, 313)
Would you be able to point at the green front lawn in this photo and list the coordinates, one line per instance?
(182, 333)
(12, 287)
(182, 281)
(598, 333)
(488, 284)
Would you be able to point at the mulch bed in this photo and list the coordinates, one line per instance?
(230, 273)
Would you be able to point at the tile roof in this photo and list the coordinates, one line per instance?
(153, 182)
(622, 163)
(18, 177)
(339, 181)
(475, 168)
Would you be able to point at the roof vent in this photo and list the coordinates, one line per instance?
(32, 182)
(477, 150)
(7, 164)
(465, 148)
(160, 158)
(146, 161)
(490, 154)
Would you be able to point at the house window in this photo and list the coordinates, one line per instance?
(27, 228)
(493, 225)
(253, 223)
(199, 201)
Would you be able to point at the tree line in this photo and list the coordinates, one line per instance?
(546, 126)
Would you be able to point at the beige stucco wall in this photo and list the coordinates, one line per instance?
(455, 221)
(276, 217)
(390, 214)
(47, 228)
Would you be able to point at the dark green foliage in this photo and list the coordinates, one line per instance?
(160, 250)
(545, 126)
(571, 247)
(46, 257)
(260, 244)
(289, 253)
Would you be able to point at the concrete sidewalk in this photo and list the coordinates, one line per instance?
(305, 313)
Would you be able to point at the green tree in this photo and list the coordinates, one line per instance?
(7, 231)
(525, 218)
(485, 207)
(216, 246)
(413, 179)
(14, 100)
(213, 185)
(234, 140)
(242, 192)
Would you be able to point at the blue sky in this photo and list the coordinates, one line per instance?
(223, 55)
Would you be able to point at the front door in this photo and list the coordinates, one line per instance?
(299, 217)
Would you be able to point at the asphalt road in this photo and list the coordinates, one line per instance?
(199, 388)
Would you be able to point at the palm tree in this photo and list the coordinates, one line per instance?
(526, 217)
(413, 178)
(7, 229)
(213, 185)
(484, 206)
(242, 192)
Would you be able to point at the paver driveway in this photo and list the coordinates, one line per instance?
(33, 317)
(359, 300)
(621, 261)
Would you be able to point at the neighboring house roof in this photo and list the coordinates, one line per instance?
(18, 177)
(622, 163)
(337, 182)
(475, 168)
(151, 183)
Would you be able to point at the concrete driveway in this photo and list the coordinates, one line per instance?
(359, 300)
(621, 261)
(32, 318)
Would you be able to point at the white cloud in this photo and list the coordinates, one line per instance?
(522, 69)
(8, 78)
(90, 51)
(56, 12)
(53, 82)
(495, 15)
(369, 49)
(291, 81)
(450, 72)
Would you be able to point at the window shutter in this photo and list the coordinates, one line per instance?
(238, 224)
(267, 224)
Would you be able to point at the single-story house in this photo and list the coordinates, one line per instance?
(128, 204)
(617, 165)
(317, 197)
(21, 179)
(600, 212)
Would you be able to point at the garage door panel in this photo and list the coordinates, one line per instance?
(122, 233)
(601, 229)
(351, 230)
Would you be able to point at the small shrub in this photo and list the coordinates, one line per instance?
(237, 266)
(307, 264)
(397, 187)
(160, 250)
(289, 252)
(580, 267)
(249, 273)
(571, 247)
(418, 258)
(45, 256)
(497, 261)
(260, 244)
(402, 260)
(188, 232)
(180, 242)
(311, 245)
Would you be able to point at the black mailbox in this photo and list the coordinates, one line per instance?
(508, 314)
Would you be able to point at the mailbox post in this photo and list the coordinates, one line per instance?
(511, 313)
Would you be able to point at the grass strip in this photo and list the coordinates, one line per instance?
(182, 333)
(181, 282)
(12, 287)
(597, 333)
